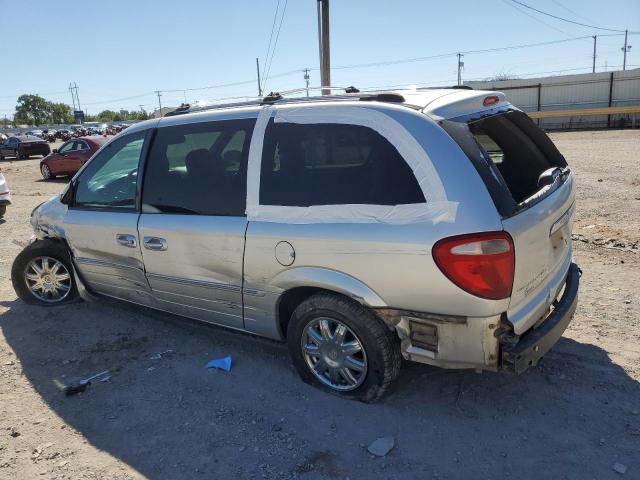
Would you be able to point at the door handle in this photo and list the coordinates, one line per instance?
(154, 243)
(126, 240)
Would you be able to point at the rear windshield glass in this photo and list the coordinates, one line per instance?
(513, 148)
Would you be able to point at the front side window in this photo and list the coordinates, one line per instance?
(66, 147)
(198, 169)
(110, 178)
(333, 164)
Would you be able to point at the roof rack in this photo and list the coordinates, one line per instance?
(351, 93)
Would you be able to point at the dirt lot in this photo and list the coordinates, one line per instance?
(574, 416)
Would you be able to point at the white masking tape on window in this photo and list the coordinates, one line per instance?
(436, 209)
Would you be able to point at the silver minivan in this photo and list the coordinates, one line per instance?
(432, 225)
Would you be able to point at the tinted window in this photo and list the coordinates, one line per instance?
(110, 178)
(66, 147)
(81, 145)
(198, 169)
(331, 164)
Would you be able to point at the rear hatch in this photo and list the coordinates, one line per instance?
(533, 190)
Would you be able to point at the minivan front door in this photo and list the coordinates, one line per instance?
(101, 222)
(192, 226)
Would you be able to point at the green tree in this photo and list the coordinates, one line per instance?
(61, 113)
(32, 110)
(107, 116)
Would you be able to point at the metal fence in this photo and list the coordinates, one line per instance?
(570, 92)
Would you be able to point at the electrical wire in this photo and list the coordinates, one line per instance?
(571, 11)
(273, 27)
(275, 45)
(565, 19)
(535, 18)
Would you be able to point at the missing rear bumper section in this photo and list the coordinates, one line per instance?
(532, 345)
(445, 341)
(478, 342)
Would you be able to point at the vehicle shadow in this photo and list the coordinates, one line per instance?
(166, 416)
(63, 180)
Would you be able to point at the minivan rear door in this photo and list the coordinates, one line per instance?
(533, 190)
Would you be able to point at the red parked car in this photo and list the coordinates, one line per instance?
(68, 159)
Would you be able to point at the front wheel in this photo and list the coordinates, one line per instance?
(3, 210)
(42, 274)
(343, 348)
(46, 172)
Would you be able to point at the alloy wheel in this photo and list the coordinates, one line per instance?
(334, 354)
(46, 173)
(48, 279)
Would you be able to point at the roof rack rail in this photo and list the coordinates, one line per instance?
(351, 93)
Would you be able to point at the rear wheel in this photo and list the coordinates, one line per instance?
(3, 210)
(46, 172)
(42, 274)
(343, 348)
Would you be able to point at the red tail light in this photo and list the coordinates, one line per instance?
(480, 263)
(490, 100)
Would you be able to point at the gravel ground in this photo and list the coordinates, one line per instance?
(576, 415)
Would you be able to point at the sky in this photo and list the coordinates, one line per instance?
(120, 52)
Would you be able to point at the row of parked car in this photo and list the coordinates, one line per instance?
(75, 131)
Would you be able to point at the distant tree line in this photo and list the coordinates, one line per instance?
(36, 110)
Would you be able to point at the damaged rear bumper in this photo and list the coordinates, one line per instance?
(532, 345)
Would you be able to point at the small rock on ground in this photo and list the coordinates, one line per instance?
(620, 468)
(381, 446)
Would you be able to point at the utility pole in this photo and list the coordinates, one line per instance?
(258, 70)
(159, 104)
(323, 43)
(595, 39)
(460, 65)
(73, 97)
(77, 95)
(625, 49)
(306, 79)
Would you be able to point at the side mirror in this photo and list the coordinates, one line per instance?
(55, 150)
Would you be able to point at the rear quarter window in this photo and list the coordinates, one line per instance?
(333, 164)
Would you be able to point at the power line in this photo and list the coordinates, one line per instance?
(467, 52)
(275, 44)
(565, 19)
(273, 27)
(535, 18)
(571, 11)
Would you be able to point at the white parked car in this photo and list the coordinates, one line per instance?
(5, 196)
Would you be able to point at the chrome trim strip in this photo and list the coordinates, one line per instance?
(196, 283)
(104, 263)
(254, 292)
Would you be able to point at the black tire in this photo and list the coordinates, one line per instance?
(54, 249)
(3, 210)
(380, 345)
(45, 171)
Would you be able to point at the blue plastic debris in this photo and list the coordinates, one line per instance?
(220, 363)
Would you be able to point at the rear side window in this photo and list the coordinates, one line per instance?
(198, 169)
(333, 164)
